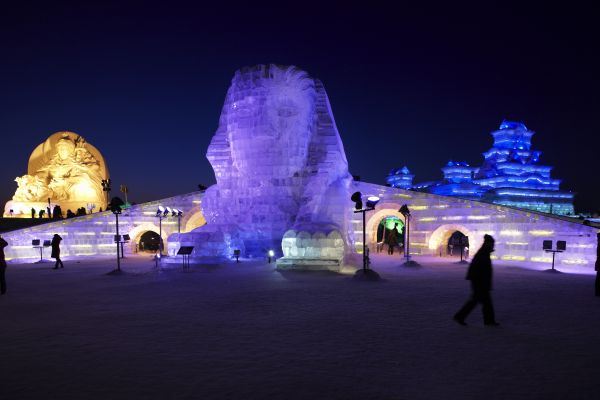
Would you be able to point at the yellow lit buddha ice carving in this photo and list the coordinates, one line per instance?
(64, 169)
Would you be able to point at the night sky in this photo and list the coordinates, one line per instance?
(415, 87)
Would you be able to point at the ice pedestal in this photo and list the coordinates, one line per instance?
(216, 243)
(319, 250)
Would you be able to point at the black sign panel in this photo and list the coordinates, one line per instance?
(185, 250)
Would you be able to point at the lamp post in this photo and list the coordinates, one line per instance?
(115, 208)
(358, 208)
(106, 187)
(405, 211)
(177, 213)
(160, 214)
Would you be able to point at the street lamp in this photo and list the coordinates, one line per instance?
(106, 187)
(177, 213)
(161, 213)
(115, 207)
(358, 208)
(405, 211)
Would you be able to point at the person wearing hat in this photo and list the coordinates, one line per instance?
(480, 275)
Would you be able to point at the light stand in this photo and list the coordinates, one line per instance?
(115, 207)
(106, 187)
(405, 211)
(366, 273)
(561, 246)
(271, 254)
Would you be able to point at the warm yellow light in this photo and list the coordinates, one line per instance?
(511, 232)
(541, 233)
(419, 208)
(427, 219)
(510, 257)
(541, 259)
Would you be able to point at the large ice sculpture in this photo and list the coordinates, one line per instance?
(65, 170)
(279, 163)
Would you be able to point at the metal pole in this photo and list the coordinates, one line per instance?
(118, 257)
(408, 239)
(364, 240)
(405, 236)
(178, 223)
(160, 235)
(553, 254)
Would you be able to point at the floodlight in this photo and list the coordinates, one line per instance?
(561, 245)
(357, 199)
(547, 245)
(158, 213)
(404, 210)
(271, 253)
(168, 209)
(372, 201)
(179, 212)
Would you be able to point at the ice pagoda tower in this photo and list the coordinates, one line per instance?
(512, 173)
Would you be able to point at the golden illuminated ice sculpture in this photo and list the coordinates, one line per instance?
(65, 170)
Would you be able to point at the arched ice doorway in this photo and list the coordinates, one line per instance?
(149, 242)
(140, 231)
(374, 229)
(440, 239)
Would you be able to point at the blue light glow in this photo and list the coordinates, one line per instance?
(509, 175)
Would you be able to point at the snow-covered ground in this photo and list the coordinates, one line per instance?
(245, 331)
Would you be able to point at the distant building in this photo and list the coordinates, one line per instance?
(400, 178)
(510, 176)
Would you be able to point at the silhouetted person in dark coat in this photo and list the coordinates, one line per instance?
(480, 275)
(32, 212)
(598, 267)
(56, 251)
(3, 244)
(393, 239)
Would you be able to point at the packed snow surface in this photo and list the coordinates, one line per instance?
(246, 331)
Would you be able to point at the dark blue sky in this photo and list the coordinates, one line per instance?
(416, 87)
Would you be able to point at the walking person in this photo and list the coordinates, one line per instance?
(393, 239)
(56, 251)
(480, 275)
(3, 244)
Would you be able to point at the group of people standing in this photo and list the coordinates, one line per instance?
(57, 213)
